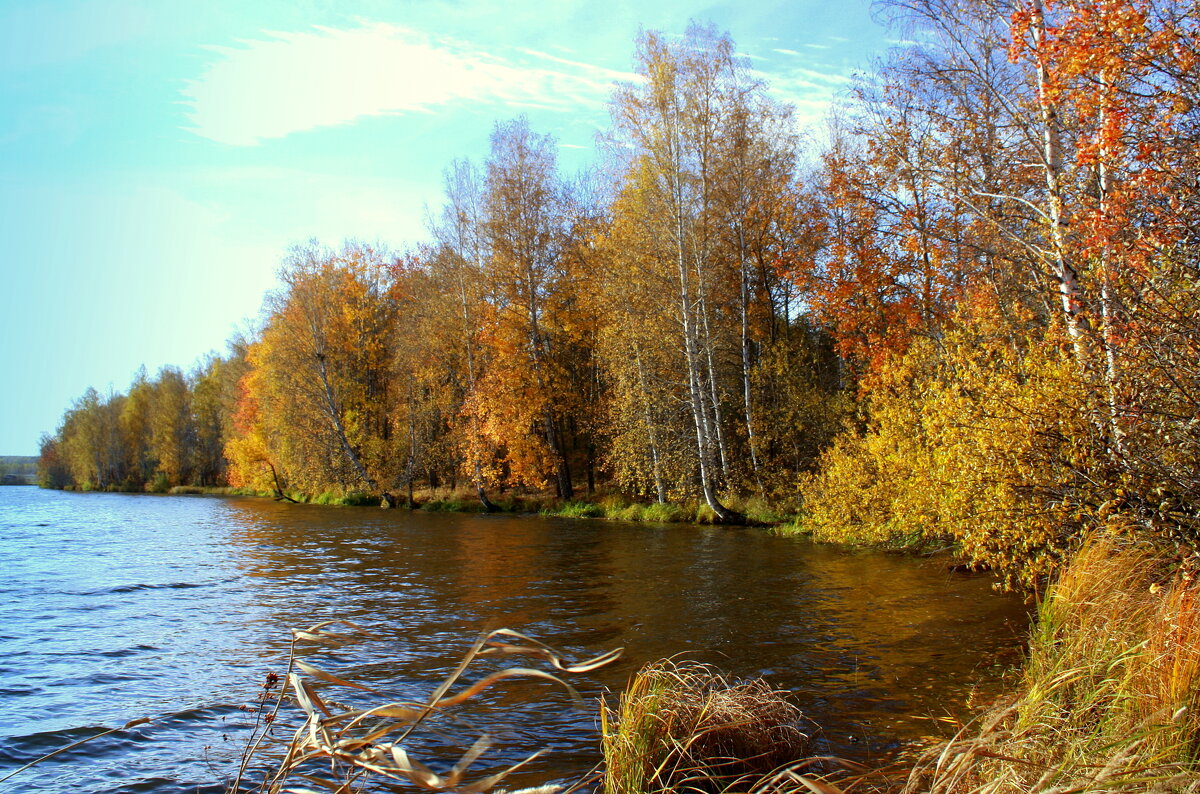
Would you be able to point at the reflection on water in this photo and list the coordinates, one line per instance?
(114, 607)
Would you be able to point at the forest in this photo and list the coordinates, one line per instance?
(966, 313)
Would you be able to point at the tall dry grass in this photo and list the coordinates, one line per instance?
(1109, 698)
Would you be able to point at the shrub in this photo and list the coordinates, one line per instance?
(978, 441)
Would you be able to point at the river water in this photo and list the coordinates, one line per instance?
(115, 607)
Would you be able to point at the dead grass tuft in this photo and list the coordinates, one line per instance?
(684, 727)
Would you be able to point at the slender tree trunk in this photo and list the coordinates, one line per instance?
(747, 394)
(411, 469)
(477, 468)
(696, 390)
(718, 420)
(1107, 333)
(563, 486)
(591, 468)
(1069, 291)
(280, 496)
(659, 487)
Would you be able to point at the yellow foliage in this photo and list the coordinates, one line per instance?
(981, 441)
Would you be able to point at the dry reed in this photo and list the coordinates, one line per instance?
(343, 749)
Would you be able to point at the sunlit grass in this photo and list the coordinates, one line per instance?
(684, 727)
(1109, 698)
(572, 509)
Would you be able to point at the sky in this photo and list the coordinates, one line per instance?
(158, 157)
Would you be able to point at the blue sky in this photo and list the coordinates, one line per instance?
(157, 157)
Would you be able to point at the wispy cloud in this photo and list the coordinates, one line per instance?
(810, 90)
(289, 82)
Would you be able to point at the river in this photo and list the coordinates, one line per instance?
(115, 607)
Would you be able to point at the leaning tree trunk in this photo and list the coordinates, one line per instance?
(387, 499)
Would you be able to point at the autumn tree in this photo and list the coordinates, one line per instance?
(521, 402)
(452, 308)
(172, 432)
(320, 384)
(705, 216)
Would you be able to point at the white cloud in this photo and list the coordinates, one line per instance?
(811, 91)
(289, 82)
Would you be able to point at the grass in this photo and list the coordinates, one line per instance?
(573, 509)
(1109, 699)
(684, 727)
(608, 505)
(451, 506)
(603, 504)
(664, 513)
(344, 499)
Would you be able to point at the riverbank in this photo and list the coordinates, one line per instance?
(601, 504)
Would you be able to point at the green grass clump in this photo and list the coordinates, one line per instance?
(663, 513)
(629, 512)
(575, 510)
(683, 727)
(759, 511)
(343, 499)
(793, 526)
(451, 506)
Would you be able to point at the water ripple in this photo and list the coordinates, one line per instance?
(123, 606)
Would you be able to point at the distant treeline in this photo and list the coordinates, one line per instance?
(18, 470)
(973, 316)
(166, 431)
